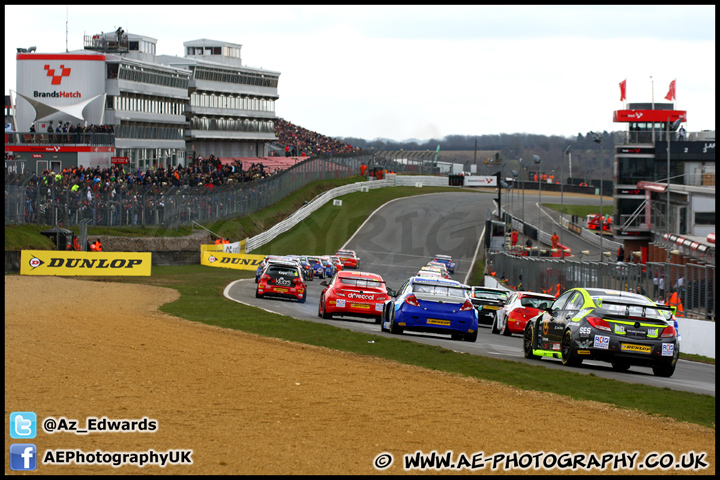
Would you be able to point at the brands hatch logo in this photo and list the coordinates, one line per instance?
(36, 262)
(56, 79)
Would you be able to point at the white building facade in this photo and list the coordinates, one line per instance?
(162, 109)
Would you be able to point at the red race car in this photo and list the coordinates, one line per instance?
(282, 279)
(520, 307)
(348, 258)
(355, 294)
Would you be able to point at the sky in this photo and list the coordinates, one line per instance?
(426, 72)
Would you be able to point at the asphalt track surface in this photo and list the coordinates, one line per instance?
(401, 236)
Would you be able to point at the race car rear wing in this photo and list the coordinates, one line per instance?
(660, 308)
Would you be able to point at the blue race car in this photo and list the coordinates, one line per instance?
(447, 260)
(433, 305)
(317, 266)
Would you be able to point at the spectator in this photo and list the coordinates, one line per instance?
(661, 286)
(680, 286)
(656, 283)
(640, 290)
(620, 254)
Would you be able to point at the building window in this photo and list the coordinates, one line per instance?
(705, 218)
(634, 169)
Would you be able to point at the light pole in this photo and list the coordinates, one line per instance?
(515, 177)
(597, 138)
(522, 177)
(562, 161)
(537, 160)
(675, 125)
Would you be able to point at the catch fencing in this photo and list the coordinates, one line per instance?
(542, 274)
(697, 292)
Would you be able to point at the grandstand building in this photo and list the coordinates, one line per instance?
(163, 109)
(645, 215)
(231, 112)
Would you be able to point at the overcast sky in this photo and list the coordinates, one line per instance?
(422, 72)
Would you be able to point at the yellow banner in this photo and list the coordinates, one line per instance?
(237, 261)
(237, 247)
(50, 262)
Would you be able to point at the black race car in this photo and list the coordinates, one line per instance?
(487, 301)
(621, 328)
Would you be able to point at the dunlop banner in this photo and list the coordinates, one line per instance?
(50, 262)
(230, 260)
(237, 247)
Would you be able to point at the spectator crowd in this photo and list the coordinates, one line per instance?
(299, 141)
(67, 133)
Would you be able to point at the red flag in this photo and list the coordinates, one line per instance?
(671, 92)
(622, 89)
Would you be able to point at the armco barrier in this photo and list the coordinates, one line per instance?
(300, 215)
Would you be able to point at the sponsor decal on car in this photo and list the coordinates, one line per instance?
(283, 281)
(362, 306)
(340, 303)
(668, 349)
(437, 321)
(361, 296)
(378, 307)
(583, 352)
(620, 329)
(601, 342)
(629, 347)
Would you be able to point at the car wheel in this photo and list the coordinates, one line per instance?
(393, 326)
(528, 341)
(303, 299)
(257, 294)
(506, 328)
(620, 366)
(378, 320)
(471, 337)
(383, 318)
(569, 356)
(320, 306)
(325, 314)
(664, 370)
(494, 329)
(457, 336)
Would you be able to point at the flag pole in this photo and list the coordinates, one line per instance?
(652, 93)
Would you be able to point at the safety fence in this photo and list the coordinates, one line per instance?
(696, 289)
(31, 201)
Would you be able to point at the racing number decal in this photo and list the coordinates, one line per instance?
(546, 326)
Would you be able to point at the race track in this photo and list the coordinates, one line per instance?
(401, 236)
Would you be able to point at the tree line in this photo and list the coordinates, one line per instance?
(589, 157)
